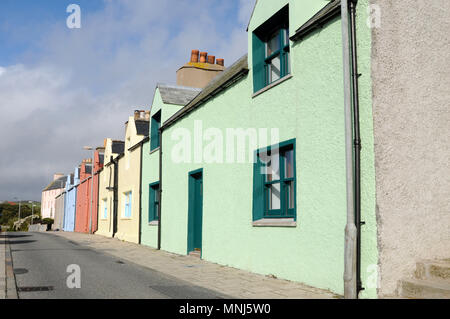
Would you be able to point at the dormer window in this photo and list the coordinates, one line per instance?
(270, 50)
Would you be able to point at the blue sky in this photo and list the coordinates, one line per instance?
(64, 88)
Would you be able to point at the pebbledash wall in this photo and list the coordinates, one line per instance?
(411, 98)
(307, 107)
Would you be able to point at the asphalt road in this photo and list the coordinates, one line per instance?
(41, 262)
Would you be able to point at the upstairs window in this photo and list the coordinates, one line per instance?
(270, 50)
(155, 126)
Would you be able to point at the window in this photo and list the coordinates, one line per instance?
(105, 209)
(274, 182)
(127, 204)
(270, 50)
(155, 126)
(153, 208)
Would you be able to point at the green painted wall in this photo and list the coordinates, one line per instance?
(308, 107)
(150, 171)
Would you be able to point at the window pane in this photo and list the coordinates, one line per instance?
(289, 164)
(275, 196)
(290, 195)
(273, 167)
(275, 69)
(273, 44)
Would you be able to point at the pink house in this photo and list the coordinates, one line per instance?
(48, 203)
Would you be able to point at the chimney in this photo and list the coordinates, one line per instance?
(105, 141)
(198, 72)
(194, 56)
(57, 176)
(220, 62)
(140, 115)
(211, 59)
(87, 161)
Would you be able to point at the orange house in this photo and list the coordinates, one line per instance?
(83, 220)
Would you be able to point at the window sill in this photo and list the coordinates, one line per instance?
(271, 85)
(126, 218)
(154, 151)
(275, 222)
(154, 223)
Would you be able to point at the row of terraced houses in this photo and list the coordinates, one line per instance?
(320, 157)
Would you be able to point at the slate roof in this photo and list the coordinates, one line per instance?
(118, 147)
(178, 95)
(218, 84)
(324, 15)
(56, 184)
(142, 127)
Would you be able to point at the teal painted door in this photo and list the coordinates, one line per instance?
(195, 211)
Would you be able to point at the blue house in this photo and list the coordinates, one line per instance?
(70, 201)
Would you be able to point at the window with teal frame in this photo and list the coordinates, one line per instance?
(154, 131)
(274, 182)
(153, 202)
(271, 50)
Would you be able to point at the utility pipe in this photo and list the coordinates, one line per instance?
(350, 286)
(160, 187)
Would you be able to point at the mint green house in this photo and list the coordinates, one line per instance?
(167, 100)
(253, 168)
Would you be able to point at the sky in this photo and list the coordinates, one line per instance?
(62, 89)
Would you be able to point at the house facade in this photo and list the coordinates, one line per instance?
(48, 200)
(83, 202)
(108, 187)
(70, 206)
(60, 201)
(129, 178)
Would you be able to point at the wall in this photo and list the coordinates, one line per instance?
(59, 212)
(308, 107)
(411, 98)
(70, 207)
(83, 202)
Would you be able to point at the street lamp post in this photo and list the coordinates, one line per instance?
(90, 148)
(32, 211)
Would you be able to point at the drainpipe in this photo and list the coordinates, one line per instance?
(357, 142)
(350, 286)
(140, 197)
(160, 188)
(115, 195)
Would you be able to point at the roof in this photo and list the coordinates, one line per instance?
(218, 84)
(178, 95)
(56, 184)
(118, 147)
(142, 127)
(331, 10)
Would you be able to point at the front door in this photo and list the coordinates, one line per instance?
(195, 219)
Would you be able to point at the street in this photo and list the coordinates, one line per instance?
(46, 266)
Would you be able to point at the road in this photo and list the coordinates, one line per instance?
(41, 261)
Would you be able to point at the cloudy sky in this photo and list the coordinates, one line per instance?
(61, 88)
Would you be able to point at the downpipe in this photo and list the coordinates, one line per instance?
(350, 263)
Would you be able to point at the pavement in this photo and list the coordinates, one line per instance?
(115, 269)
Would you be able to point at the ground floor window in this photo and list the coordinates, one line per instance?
(274, 182)
(105, 209)
(153, 202)
(127, 204)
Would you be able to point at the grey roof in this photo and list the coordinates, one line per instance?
(118, 147)
(218, 84)
(56, 184)
(178, 95)
(331, 10)
(142, 127)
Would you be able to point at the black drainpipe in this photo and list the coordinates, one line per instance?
(140, 198)
(357, 141)
(116, 186)
(160, 188)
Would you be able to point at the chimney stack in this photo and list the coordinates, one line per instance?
(200, 70)
(140, 115)
(57, 176)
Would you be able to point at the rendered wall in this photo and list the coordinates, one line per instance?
(83, 202)
(59, 212)
(411, 98)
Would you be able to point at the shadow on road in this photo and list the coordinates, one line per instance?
(14, 236)
(16, 242)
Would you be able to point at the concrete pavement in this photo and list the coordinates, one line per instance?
(233, 282)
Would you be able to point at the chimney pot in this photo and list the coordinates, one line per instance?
(194, 56)
(211, 59)
(221, 62)
(203, 57)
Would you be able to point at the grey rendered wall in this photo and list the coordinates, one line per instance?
(411, 105)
